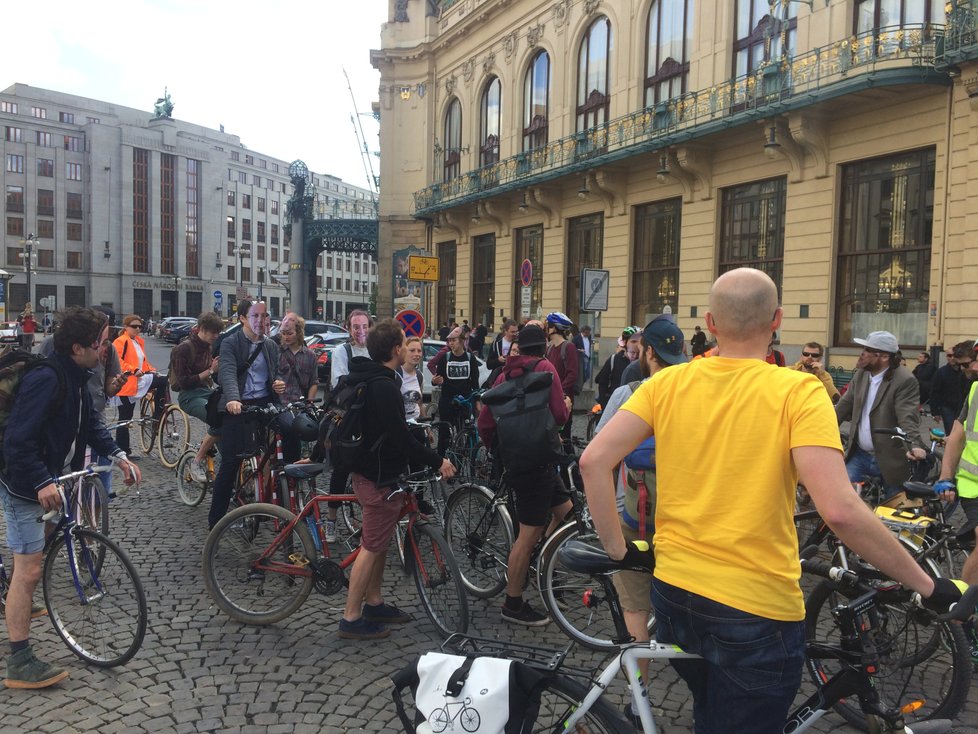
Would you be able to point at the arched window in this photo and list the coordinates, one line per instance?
(536, 102)
(593, 97)
(759, 34)
(491, 103)
(669, 40)
(453, 140)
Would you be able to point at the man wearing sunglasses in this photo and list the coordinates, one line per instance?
(811, 362)
(881, 395)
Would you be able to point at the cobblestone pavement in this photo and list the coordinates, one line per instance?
(199, 671)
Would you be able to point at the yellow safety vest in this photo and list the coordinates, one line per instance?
(967, 476)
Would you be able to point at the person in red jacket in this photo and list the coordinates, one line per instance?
(538, 491)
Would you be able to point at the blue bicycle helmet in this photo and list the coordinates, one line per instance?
(560, 320)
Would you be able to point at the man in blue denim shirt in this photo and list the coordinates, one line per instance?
(44, 436)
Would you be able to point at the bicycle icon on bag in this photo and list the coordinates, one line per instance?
(467, 716)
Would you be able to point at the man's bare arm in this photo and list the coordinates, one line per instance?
(823, 473)
(623, 433)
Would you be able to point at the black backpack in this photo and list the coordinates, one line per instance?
(13, 366)
(526, 431)
(341, 430)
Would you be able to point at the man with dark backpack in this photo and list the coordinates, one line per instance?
(526, 438)
(49, 425)
(373, 443)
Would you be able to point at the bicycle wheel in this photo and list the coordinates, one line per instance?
(147, 426)
(437, 579)
(232, 548)
(92, 505)
(481, 536)
(191, 492)
(924, 667)
(576, 602)
(246, 483)
(100, 613)
(562, 696)
(174, 436)
(463, 452)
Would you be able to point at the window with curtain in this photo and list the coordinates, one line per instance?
(655, 259)
(585, 249)
(752, 227)
(886, 223)
(759, 37)
(529, 246)
(593, 70)
(881, 14)
(453, 140)
(448, 256)
(483, 277)
(669, 39)
(536, 102)
(491, 105)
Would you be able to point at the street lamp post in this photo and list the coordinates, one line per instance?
(261, 282)
(241, 252)
(176, 295)
(28, 257)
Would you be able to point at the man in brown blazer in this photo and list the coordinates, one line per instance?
(882, 394)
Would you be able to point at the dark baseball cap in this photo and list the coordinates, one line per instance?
(662, 334)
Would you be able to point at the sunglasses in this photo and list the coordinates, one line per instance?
(134, 326)
(810, 354)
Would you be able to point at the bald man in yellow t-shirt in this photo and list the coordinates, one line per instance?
(727, 569)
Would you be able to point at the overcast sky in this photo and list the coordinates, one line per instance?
(270, 72)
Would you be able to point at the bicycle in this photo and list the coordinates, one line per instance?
(191, 492)
(261, 561)
(170, 433)
(92, 592)
(571, 699)
(465, 450)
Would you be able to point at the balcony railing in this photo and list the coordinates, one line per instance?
(961, 33)
(904, 55)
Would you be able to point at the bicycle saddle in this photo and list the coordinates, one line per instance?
(581, 557)
(304, 471)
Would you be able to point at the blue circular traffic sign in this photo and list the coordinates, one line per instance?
(411, 321)
(218, 295)
(526, 272)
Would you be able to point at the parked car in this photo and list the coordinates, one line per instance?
(316, 327)
(431, 348)
(323, 345)
(175, 322)
(170, 321)
(178, 332)
(8, 333)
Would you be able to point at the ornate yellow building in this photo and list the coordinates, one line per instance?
(831, 143)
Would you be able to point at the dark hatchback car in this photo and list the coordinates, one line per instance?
(179, 332)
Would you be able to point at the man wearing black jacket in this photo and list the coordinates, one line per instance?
(374, 473)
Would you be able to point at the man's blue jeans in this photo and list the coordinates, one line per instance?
(751, 666)
(863, 464)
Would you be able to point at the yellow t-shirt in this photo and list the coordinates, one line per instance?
(726, 482)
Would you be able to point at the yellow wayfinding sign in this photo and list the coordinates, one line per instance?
(421, 267)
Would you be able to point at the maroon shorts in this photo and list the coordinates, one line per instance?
(379, 515)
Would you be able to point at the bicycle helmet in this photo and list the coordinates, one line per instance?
(627, 333)
(282, 422)
(559, 320)
(305, 427)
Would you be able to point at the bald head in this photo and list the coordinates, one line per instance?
(743, 303)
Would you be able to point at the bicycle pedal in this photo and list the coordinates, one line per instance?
(299, 560)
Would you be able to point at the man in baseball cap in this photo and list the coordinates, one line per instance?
(881, 395)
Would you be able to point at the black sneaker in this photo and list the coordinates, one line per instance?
(362, 629)
(385, 614)
(525, 616)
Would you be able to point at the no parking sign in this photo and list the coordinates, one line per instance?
(411, 321)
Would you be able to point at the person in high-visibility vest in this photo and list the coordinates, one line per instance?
(959, 473)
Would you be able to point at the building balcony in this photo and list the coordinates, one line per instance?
(883, 57)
